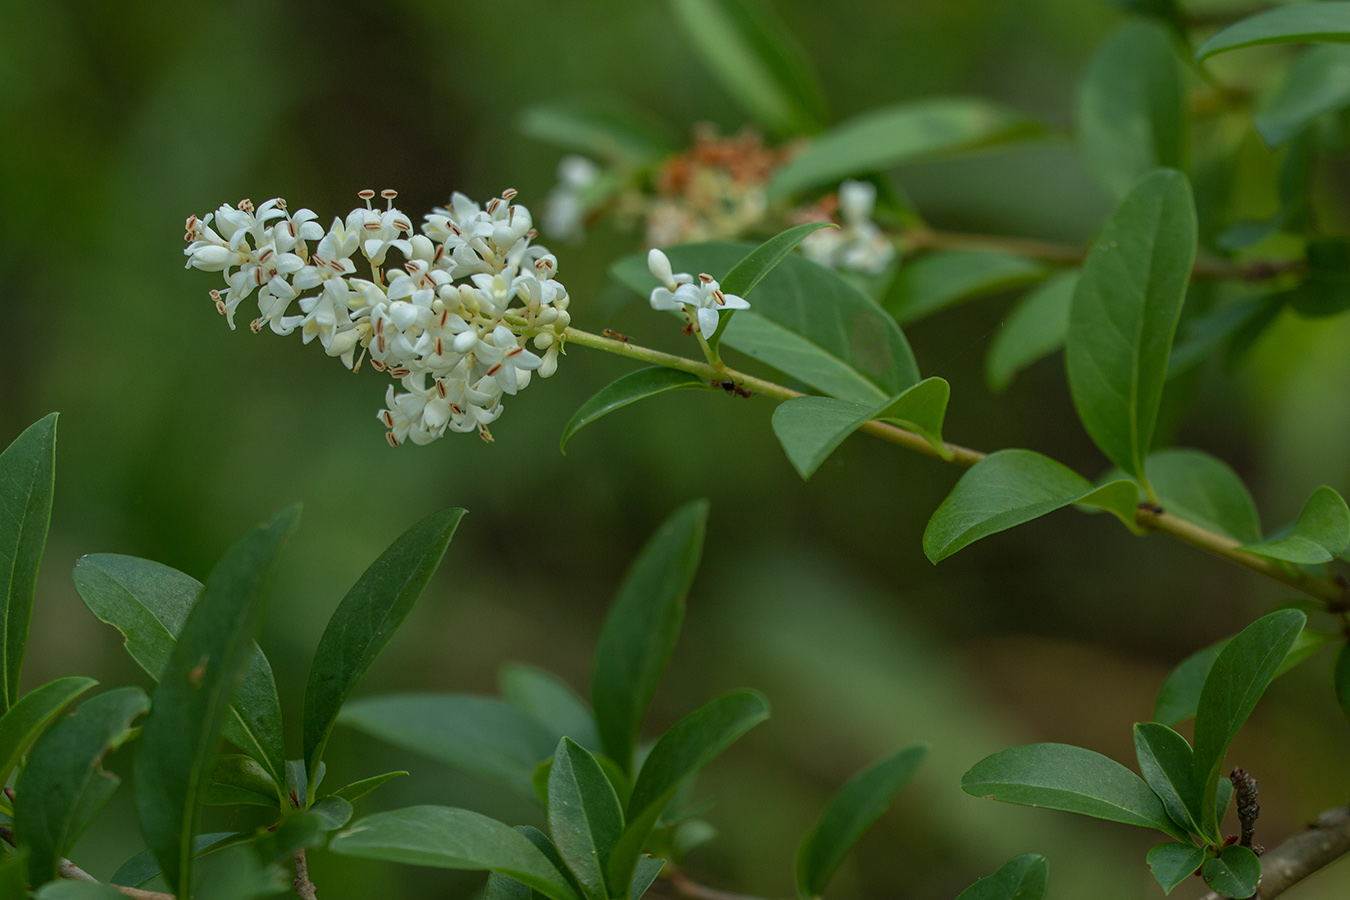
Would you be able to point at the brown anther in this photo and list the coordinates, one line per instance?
(255, 326)
(220, 306)
(281, 203)
(410, 267)
(440, 351)
(457, 409)
(440, 251)
(381, 345)
(706, 278)
(246, 205)
(372, 226)
(493, 205)
(495, 369)
(400, 372)
(720, 297)
(377, 365)
(440, 388)
(509, 194)
(485, 434)
(389, 436)
(532, 233)
(367, 194)
(403, 225)
(389, 193)
(388, 418)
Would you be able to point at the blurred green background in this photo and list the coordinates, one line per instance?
(120, 119)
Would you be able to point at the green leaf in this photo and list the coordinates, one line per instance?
(63, 786)
(1340, 679)
(1173, 863)
(627, 389)
(1321, 533)
(1325, 288)
(606, 128)
(640, 630)
(25, 720)
(1035, 327)
(192, 701)
(1235, 873)
(27, 480)
(916, 131)
(1125, 313)
(849, 814)
(1132, 115)
(142, 868)
(688, 746)
(333, 812)
(811, 428)
(756, 60)
(1299, 24)
(935, 281)
(1058, 776)
(805, 321)
(1222, 799)
(750, 271)
(1010, 487)
(148, 603)
(1318, 82)
(1238, 678)
(358, 789)
(584, 817)
(1021, 878)
(1167, 764)
(647, 869)
(364, 622)
(239, 779)
(237, 873)
(481, 735)
(551, 702)
(1205, 491)
(452, 839)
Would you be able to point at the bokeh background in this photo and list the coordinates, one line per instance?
(117, 120)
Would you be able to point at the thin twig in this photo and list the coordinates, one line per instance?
(67, 869)
(1325, 841)
(303, 886)
(688, 887)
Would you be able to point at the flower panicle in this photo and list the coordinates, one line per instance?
(453, 325)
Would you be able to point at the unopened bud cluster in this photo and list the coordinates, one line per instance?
(453, 326)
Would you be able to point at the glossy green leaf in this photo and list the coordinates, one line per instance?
(27, 481)
(481, 735)
(551, 702)
(1173, 863)
(333, 812)
(1059, 776)
(1132, 114)
(358, 789)
(1321, 533)
(1235, 873)
(607, 129)
(584, 817)
(804, 320)
(1124, 315)
(811, 428)
(746, 275)
(192, 701)
(851, 811)
(630, 388)
(648, 868)
(237, 873)
(25, 720)
(1340, 679)
(452, 839)
(366, 620)
(1236, 681)
(1318, 82)
(148, 603)
(546, 846)
(1010, 487)
(1205, 491)
(935, 281)
(1023, 877)
(1034, 328)
(63, 786)
(235, 778)
(641, 628)
(1167, 764)
(143, 868)
(688, 746)
(756, 60)
(915, 131)
(1301, 23)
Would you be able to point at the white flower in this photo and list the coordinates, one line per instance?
(858, 244)
(701, 300)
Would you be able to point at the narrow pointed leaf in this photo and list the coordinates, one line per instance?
(358, 789)
(27, 481)
(935, 281)
(1023, 877)
(1235, 873)
(1321, 533)
(584, 817)
(1125, 313)
(1173, 863)
(1205, 491)
(1059, 776)
(365, 621)
(849, 814)
(1010, 487)
(237, 873)
(450, 838)
(1167, 764)
(648, 868)
(1034, 328)
(606, 129)
(25, 720)
(1298, 24)
(1318, 82)
(640, 631)
(235, 778)
(916, 131)
(481, 735)
(63, 786)
(192, 701)
(333, 812)
(630, 388)
(551, 702)
(148, 603)
(750, 271)
(1239, 676)
(143, 868)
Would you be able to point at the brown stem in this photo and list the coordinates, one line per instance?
(688, 887)
(1325, 841)
(303, 886)
(67, 869)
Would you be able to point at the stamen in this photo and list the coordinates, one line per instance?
(393, 441)
(705, 278)
(509, 194)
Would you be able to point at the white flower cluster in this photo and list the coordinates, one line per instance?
(700, 302)
(452, 327)
(859, 244)
(565, 206)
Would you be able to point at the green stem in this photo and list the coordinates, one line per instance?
(1330, 591)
